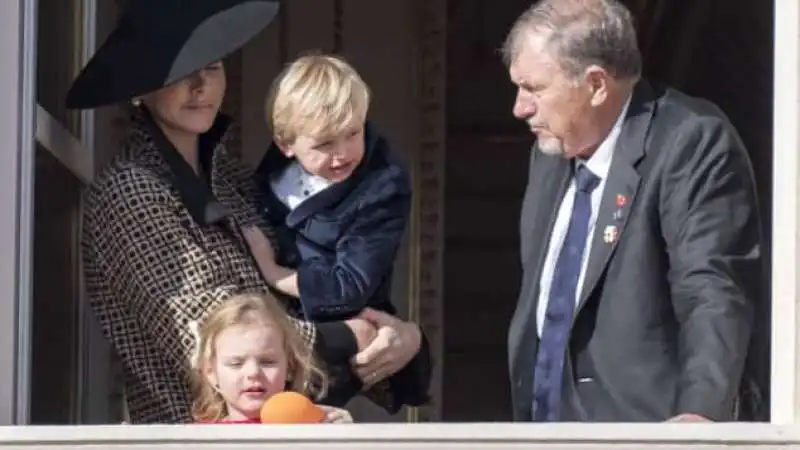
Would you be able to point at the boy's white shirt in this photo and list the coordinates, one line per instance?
(294, 185)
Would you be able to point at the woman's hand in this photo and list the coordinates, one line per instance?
(395, 345)
(336, 415)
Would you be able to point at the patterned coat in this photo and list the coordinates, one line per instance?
(160, 251)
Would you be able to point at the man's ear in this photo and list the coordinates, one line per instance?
(597, 81)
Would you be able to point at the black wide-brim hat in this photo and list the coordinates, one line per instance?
(158, 42)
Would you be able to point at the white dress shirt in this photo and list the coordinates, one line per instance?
(599, 163)
(294, 185)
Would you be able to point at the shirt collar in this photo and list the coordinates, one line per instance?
(316, 182)
(600, 162)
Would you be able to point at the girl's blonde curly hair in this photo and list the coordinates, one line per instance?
(304, 374)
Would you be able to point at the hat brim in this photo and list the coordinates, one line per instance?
(111, 75)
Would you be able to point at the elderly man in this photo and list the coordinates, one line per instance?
(640, 237)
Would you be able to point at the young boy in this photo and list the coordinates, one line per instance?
(338, 196)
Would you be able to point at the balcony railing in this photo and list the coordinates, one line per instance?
(406, 436)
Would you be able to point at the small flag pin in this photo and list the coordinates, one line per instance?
(610, 234)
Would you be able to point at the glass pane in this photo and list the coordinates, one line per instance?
(58, 47)
(54, 368)
(56, 297)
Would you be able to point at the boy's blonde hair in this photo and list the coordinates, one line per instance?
(319, 96)
(304, 375)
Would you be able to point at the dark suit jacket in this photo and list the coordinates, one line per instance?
(663, 324)
(343, 243)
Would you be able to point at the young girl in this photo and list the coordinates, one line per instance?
(248, 352)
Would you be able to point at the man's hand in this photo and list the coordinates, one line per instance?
(336, 415)
(396, 344)
(688, 418)
(364, 332)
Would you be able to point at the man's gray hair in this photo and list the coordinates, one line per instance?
(581, 33)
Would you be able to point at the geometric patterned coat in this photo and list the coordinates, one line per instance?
(160, 250)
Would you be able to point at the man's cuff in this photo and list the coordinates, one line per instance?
(705, 406)
(411, 385)
(335, 342)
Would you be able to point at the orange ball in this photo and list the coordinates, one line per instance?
(291, 407)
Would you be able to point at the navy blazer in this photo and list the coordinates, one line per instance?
(343, 241)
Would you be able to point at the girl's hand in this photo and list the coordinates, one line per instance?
(336, 415)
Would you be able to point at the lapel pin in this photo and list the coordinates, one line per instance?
(610, 234)
(621, 201)
(618, 215)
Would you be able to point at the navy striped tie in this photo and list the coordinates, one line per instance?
(549, 369)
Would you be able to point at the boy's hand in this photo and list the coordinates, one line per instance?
(258, 243)
(281, 278)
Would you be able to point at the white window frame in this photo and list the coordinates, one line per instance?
(20, 115)
(785, 395)
(75, 154)
(78, 156)
(24, 123)
(17, 78)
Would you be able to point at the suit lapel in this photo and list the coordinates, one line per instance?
(548, 181)
(336, 192)
(552, 175)
(320, 201)
(275, 161)
(620, 189)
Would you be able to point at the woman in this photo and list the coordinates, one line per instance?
(162, 232)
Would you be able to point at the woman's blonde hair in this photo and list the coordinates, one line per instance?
(304, 375)
(319, 96)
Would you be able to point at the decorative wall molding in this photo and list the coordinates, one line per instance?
(426, 224)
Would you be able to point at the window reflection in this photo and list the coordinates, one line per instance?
(55, 358)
